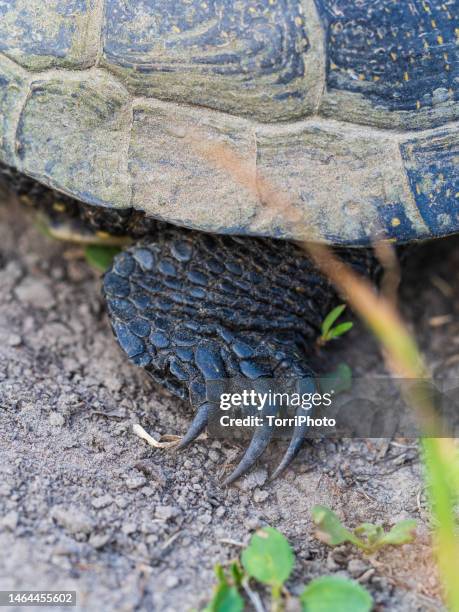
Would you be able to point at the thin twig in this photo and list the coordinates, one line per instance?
(254, 597)
(141, 433)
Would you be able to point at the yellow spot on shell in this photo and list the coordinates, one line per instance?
(333, 66)
(406, 76)
(393, 56)
(395, 222)
(58, 206)
(434, 25)
(376, 78)
(298, 21)
(440, 40)
(101, 234)
(418, 104)
(176, 29)
(361, 77)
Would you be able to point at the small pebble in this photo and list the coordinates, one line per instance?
(73, 519)
(14, 340)
(128, 528)
(99, 540)
(206, 518)
(135, 481)
(172, 581)
(260, 496)
(36, 293)
(356, 567)
(214, 456)
(121, 502)
(10, 520)
(102, 502)
(56, 419)
(252, 480)
(166, 512)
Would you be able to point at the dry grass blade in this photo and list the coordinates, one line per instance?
(390, 281)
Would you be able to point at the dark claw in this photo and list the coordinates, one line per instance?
(257, 446)
(296, 442)
(293, 448)
(197, 425)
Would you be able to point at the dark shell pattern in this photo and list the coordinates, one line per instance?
(349, 107)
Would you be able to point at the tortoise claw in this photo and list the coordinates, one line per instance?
(297, 440)
(197, 426)
(293, 448)
(257, 446)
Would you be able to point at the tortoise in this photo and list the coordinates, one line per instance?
(348, 106)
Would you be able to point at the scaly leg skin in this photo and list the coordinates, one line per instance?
(191, 307)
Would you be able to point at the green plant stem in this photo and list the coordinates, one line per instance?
(276, 598)
(442, 500)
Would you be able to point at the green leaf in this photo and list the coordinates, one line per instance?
(330, 529)
(401, 533)
(340, 329)
(331, 318)
(269, 557)
(100, 257)
(339, 380)
(226, 599)
(333, 594)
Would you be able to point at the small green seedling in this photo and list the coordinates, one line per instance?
(331, 331)
(367, 537)
(333, 593)
(226, 593)
(269, 559)
(99, 256)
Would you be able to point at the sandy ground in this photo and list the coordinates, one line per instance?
(86, 505)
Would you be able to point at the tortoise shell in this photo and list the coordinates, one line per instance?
(349, 107)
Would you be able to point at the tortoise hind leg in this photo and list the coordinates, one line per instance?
(190, 307)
